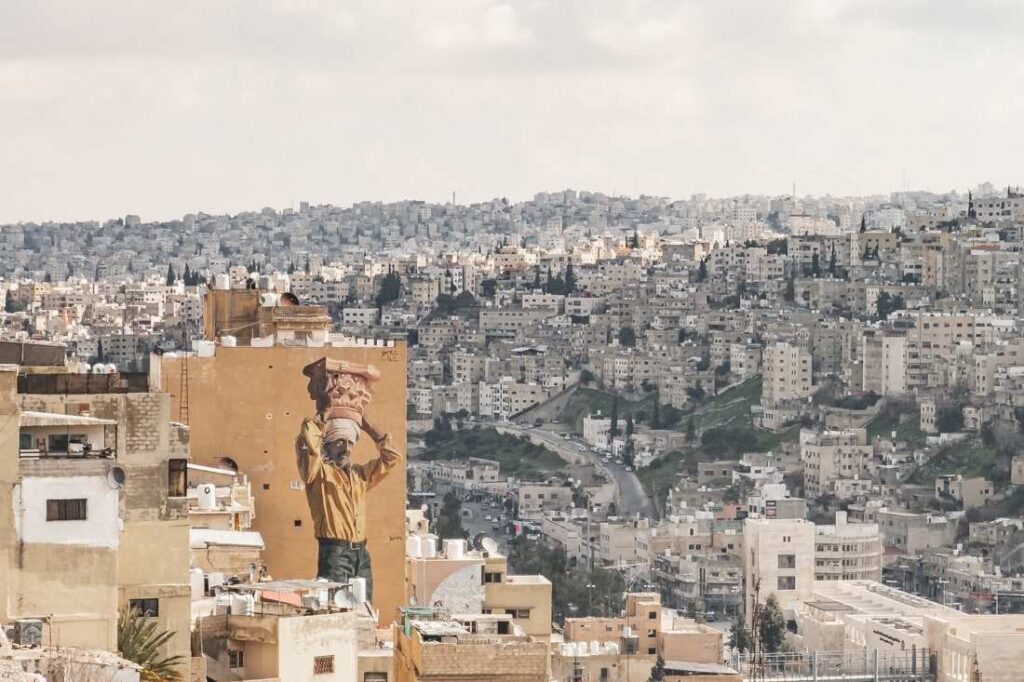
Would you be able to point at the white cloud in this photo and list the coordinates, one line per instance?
(161, 108)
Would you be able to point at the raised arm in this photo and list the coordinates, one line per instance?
(307, 451)
(375, 470)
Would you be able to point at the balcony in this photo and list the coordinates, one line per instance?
(52, 435)
(82, 384)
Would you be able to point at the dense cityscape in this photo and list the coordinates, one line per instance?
(697, 440)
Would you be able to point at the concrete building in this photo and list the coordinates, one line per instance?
(431, 645)
(637, 631)
(864, 618)
(831, 456)
(103, 491)
(289, 631)
(786, 372)
(245, 405)
(465, 581)
(884, 358)
(970, 492)
(847, 551)
(909, 533)
(778, 558)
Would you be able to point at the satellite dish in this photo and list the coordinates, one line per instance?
(489, 545)
(340, 600)
(477, 541)
(116, 477)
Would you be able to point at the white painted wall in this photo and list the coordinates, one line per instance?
(101, 528)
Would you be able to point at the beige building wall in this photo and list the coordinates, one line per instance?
(248, 404)
(786, 369)
(780, 554)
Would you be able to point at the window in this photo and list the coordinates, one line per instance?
(652, 632)
(787, 561)
(298, 523)
(652, 650)
(787, 582)
(25, 440)
(236, 658)
(375, 677)
(323, 665)
(652, 615)
(492, 577)
(177, 477)
(604, 675)
(518, 613)
(66, 510)
(57, 443)
(146, 607)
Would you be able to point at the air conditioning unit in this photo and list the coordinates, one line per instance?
(28, 632)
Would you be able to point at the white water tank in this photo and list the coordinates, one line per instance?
(195, 578)
(204, 348)
(207, 496)
(228, 341)
(222, 605)
(413, 546)
(241, 604)
(222, 281)
(357, 587)
(454, 549)
(429, 546)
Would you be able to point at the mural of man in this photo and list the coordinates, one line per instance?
(336, 488)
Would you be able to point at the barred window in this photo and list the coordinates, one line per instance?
(66, 510)
(323, 665)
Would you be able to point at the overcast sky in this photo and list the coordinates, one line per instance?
(110, 107)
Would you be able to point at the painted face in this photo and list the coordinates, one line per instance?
(337, 452)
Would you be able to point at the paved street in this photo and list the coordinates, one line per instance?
(632, 498)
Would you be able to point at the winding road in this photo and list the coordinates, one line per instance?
(632, 498)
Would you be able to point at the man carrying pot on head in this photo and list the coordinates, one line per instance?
(335, 487)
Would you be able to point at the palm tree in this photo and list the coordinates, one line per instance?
(139, 641)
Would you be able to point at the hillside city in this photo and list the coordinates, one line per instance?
(697, 440)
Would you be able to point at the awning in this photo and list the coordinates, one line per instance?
(201, 538)
(56, 419)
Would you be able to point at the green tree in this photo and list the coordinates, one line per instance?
(9, 306)
(789, 294)
(739, 636)
(815, 265)
(627, 337)
(449, 521)
(629, 425)
(570, 279)
(139, 640)
(773, 625)
(658, 671)
(702, 270)
(887, 304)
(170, 274)
(489, 287)
(613, 430)
(390, 288)
(691, 429)
(832, 262)
(949, 418)
(656, 414)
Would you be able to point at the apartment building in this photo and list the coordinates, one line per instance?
(99, 474)
(909, 533)
(831, 456)
(864, 618)
(786, 372)
(432, 645)
(847, 551)
(778, 558)
(637, 631)
(884, 362)
(972, 491)
(469, 581)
